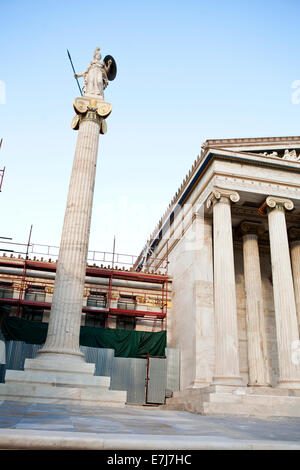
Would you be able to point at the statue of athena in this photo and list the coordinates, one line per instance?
(95, 76)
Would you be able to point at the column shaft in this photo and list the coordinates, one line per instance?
(295, 258)
(256, 335)
(284, 300)
(65, 316)
(226, 330)
(203, 293)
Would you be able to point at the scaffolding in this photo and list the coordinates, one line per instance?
(110, 274)
(106, 258)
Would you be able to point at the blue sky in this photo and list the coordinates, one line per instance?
(187, 71)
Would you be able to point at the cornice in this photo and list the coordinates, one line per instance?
(258, 141)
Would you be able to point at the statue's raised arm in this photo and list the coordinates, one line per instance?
(108, 65)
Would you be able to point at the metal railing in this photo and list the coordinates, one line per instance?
(105, 259)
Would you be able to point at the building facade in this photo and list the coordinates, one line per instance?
(231, 235)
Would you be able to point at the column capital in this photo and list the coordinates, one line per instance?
(248, 227)
(90, 109)
(84, 104)
(217, 193)
(275, 202)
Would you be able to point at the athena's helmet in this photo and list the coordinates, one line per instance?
(97, 55)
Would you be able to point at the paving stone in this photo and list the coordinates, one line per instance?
(156, 423)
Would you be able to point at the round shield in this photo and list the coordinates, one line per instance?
(113, 67)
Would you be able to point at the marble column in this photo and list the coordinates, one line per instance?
(66, 310)
(227, 370)
(294, 235)
(256, 332)
(283, 290)
(203, 294)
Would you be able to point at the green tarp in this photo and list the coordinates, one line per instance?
(126, 343)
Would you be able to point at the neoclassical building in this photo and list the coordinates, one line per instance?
(230, 300)
(231, 236)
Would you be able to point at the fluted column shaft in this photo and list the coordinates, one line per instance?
(65, 316)
(256, 334)
(226, 330)
(284, 299)
(295, 259)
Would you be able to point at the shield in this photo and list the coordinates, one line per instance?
(113, 68)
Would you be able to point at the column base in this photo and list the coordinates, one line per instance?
(61, 360)
(69, 352)
(258, 385)
(59, 363)
(289, 384)
(227, 380)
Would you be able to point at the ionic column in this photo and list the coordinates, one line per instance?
(203, 292)
(256, 334)
(66, 309)
(283, 289)
(227, 370)
(294, 235)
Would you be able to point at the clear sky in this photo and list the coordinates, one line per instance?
(187, 71)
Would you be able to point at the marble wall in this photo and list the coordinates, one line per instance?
(191, 322)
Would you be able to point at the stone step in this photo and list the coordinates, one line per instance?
(55, 364)
(191, 406)
(56, 378)
(192, 399)
(276, 391)
(224, 398)
(179, 406)
(191, 392)
(174, 404)
(89, 396)
(271, 400)
(242, 409)
(239, 403)
(190, 395)
(250, 399)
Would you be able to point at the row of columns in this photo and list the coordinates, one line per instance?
(286, 294)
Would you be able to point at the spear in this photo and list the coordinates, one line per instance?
(74, 72)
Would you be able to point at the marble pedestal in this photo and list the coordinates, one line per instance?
(51, 380)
